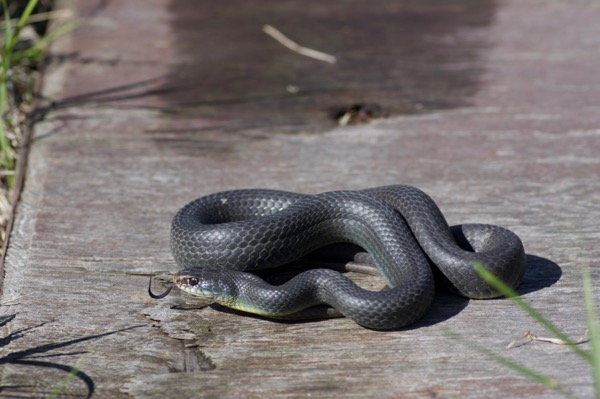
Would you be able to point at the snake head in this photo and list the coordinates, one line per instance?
(205, 283)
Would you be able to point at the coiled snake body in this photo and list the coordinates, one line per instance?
(219, 238)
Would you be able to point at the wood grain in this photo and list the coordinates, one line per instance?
(119, 151)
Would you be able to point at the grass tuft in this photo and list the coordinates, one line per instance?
(17, 73)
(11, 37)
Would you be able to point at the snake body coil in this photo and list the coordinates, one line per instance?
(219, 238)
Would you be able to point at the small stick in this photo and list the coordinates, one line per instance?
(295, 47)
(532, 337)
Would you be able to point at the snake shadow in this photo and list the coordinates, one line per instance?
(540, 273)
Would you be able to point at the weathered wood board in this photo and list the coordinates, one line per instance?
(492, 109)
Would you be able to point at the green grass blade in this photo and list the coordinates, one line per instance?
(13, 37)
(26, 13)
(62, 385)
(6, 159)
(5, 150)
(5, 55)
(36, 52)
(508, 292)
(32, 53)
(7, 26)
(24, 17)
(593, 328)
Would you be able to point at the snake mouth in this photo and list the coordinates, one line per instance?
(194, 285)
(158, 296)
(186, 283)
(204, 284)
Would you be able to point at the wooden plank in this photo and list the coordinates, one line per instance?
(512, 139)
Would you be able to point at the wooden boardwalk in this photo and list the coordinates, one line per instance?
(491, 108)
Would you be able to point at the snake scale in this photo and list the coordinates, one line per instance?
(219, 239)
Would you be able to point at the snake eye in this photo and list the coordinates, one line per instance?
(192, 281)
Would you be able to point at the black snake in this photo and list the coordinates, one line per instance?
(219, 238)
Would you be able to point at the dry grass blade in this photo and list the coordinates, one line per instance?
(40, 17)
(528, 336)
(295, 47)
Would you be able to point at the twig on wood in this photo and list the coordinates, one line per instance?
(295, 47)
(557, 341)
